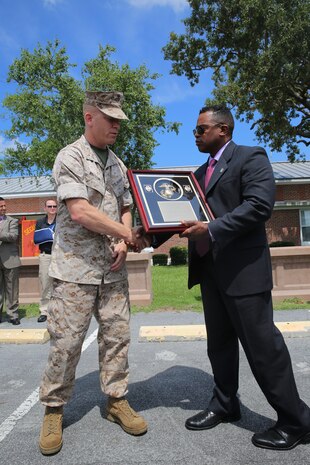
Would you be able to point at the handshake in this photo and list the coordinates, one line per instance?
(196, 231)
(139, 239)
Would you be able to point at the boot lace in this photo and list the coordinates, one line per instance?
(125, 407)
(53, 423)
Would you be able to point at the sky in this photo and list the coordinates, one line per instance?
(138, 29)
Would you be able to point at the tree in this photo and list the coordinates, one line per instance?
(136, 142)
(46, 110)
(259, 51)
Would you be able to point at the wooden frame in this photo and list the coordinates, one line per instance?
(164, 198)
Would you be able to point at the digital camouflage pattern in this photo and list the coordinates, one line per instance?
(83, 283)
(80, 255)
(69, 316)
(109, 103)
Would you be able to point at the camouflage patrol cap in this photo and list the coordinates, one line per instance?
(109, 103)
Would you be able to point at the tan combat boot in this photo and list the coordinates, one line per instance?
(119, 411)
(51, 431)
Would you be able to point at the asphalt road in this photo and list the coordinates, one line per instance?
(169, 382)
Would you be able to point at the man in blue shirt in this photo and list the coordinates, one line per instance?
(44, 239)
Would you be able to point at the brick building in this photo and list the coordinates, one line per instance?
(25, 196)
(290, 221)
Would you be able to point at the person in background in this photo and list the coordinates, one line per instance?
(43, 236)
(89, 270)
(9, 265)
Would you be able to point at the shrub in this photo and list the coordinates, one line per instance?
(293, 300)
(160, 259)
(281, 244)
(178, 255)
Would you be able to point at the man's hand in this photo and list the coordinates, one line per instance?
(195, 230)
(119, 255)
(141, 240)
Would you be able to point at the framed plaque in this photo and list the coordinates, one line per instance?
(164, 198)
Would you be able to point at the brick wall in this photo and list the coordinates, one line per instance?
(172, 242)
(284, 226)
(26, 205)
(293, 192)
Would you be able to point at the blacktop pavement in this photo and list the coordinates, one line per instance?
(170, 380)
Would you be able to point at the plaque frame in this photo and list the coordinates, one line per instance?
(165, 197)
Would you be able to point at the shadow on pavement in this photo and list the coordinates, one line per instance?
(181, 387)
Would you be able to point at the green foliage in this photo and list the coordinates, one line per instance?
(25, 311)
(259, 51)
(178, 255)
(170, 292)
(160, 259)
(292, 303)
(46, 109)
(135, 143)
(281, 244)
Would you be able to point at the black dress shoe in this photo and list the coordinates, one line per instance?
(208, 419)
(15, 321)
(276, 439)
(42, 318)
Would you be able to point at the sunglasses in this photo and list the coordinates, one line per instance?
(51, 206)
(203, 127)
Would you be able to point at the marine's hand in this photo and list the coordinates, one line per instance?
(195, 230)
(119, 255)
(141, 239)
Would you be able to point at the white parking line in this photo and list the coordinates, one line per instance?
(7, 426)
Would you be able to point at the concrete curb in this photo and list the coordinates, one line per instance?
(24, 336)
(167, 333)
(198, 332)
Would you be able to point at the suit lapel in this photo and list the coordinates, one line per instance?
(4, 225)
(200, 175)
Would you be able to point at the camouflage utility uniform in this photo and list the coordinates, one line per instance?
(83, 282)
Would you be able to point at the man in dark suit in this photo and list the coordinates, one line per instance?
(230, 259)
(9, 264)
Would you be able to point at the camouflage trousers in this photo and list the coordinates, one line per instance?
(69, 314)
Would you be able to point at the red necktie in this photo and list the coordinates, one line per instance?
(209, 171)
(202, 245)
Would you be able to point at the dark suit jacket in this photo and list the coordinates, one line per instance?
(241, 195)
(9, 252)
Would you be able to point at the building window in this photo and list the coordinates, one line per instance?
(305, 227)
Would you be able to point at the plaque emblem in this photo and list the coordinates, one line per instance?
(168, 189)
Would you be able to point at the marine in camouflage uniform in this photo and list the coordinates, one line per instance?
(88, 263)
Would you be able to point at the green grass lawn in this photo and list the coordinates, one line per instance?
(170, 292)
